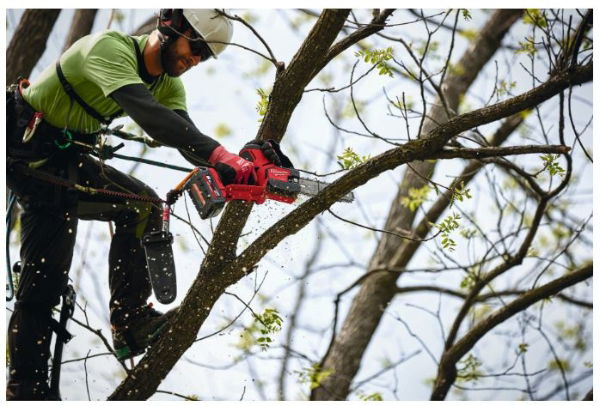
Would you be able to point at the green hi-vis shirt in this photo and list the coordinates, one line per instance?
(96, 65)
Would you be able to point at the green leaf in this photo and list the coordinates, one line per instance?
(460, 193)
(372, 397)
(535, 17)
(263, 103)
(456, 69)
(527, 47)
(466, 14)
(350, 159)
(505, 87)
(415, 197)
(378, 57)
(260, 331)
(551, 165)
(447, 226)
(313, 375)
(557, 364)
(469, 34)
(468, 369)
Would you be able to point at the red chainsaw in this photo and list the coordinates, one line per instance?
(203, 184)
(272, 182)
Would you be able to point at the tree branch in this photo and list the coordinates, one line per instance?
(487, 296)
(421, 149)
(447, 368)
(486, 152)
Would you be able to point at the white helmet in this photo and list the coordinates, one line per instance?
(214, 28)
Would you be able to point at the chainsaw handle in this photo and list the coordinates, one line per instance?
(254, 154)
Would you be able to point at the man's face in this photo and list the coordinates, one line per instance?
(179, 58)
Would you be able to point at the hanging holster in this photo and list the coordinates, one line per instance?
(159, 258)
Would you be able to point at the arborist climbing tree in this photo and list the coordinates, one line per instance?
(467, 137)
(52, 126)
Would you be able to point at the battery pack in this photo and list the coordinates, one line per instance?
(205, 189)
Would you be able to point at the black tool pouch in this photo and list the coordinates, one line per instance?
(161, 266)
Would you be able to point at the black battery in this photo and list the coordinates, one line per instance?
(205, 189)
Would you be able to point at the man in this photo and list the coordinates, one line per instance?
(100, 77)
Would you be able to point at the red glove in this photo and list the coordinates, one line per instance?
(231, 167)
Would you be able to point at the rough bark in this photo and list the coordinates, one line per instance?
(29, 42)
(83, 21)
(345, 356)
(289, 86)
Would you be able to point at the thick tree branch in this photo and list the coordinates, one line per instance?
(28, 42)
(377, 24)
(211, 283)
(484, 297)
(304, 66)
(486, 152)
(83, 21)
(421, 149)
(220, 268)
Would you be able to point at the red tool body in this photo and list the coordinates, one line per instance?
(271, 182)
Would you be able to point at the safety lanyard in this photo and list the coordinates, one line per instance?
(68, 88)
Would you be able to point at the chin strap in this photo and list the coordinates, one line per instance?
(165, 43)
(168, 23)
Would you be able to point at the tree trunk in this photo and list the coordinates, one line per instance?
(29, 42)
(377, 291)
(83, 21)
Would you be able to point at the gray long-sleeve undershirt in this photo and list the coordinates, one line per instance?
(173, 128)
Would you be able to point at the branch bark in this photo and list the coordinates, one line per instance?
(484, 297)
(486, 152)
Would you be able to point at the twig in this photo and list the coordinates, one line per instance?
(87, 384)
(176, 394)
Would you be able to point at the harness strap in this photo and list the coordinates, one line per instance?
(89, 109)
(74, 96)
(140, 63)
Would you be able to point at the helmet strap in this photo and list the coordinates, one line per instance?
(170, 22)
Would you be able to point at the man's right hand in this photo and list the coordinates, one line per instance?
(231, 167)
